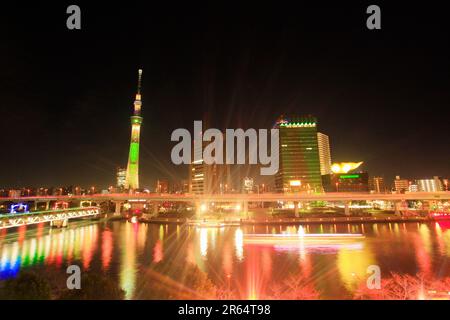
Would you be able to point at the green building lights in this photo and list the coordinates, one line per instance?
(132, 176)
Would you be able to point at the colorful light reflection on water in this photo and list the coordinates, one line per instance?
(125, 251)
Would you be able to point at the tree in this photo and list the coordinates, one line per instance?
(27, 286)
(95, 287)
(403, 287)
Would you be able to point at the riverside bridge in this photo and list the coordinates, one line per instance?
(57, 218)
(397, 199)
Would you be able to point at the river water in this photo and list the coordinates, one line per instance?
(141, 256)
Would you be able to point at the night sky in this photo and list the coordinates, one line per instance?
(66, 96)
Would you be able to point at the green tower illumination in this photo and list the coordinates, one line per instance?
(132, 177)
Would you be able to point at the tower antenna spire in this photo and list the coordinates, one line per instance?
(139, 81)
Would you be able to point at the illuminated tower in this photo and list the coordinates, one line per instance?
(132, 177)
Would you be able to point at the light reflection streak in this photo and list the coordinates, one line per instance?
(54, 248)
(128, 263)
(107, 248)
(352, 265)
(158, 253)
(204, 242)
(239, 244)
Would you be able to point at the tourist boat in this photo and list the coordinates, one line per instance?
(293, 238)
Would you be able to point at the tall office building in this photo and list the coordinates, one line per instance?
(376, 185)
(121, 175)
(197, 169)
(299, 155)
(401, 185)
(132, 177)
(207, 178)
(324, 153)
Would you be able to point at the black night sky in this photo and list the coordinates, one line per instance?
(66, 96)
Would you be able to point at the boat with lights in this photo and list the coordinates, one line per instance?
(287, 238)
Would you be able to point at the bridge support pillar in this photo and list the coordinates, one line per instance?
(347, 208)
(155, 209)
(198, 209)
(245, 209)
(296, 209)
(117, 211)
(47, 205)
(397, 206)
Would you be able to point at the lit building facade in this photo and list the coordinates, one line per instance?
(430, 185)
(207, 178)
(248, 185)
(401, 185)
(376, 185)
(346, 182)
(323, 143)
(132, 176)
(413, 187)
(298, 155)
(121, 177)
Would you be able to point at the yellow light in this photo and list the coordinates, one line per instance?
(295, 183)
(345, 167)
(238, 207)
(203, 207)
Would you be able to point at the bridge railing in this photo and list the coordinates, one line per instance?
(52, 211)
(336, 220)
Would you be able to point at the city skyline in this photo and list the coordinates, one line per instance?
(270, 152)
(379, 101)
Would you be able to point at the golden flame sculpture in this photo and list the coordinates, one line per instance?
(344, 167)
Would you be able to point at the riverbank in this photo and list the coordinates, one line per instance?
(277, 221)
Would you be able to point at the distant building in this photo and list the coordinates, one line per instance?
(162, 186)
(376, 185)
(413, 187)
(207, 179)
(346, 182)
(401, 185)
(121, 176)
(262, 188)
(182, 186)
(248, 185)
(197, 178)
(14, 193)
(430, 185)
(299, 168)
(323, 143)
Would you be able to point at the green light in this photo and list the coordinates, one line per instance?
(134, 152)
(349, 176)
